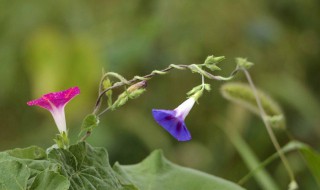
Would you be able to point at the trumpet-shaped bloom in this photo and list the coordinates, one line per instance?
(55, 103)
(173, 120)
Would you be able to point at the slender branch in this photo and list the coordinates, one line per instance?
(105, 110)
(268, 127)
(192, 67)
(135, 79)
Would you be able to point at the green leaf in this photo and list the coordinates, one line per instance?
(87, 168)
(312, 158)
(106, 84)
(157, 173)
(13, 175)
(33, 157)
(242, 94)
(211, 62)
(32, 152)
(50, 180)
(90, 122)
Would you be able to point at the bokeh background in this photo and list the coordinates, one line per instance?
(48, 46)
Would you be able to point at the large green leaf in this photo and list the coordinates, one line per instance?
(50, 180)
(157, 173)
(34, 158)
(87, 168)
(13, 175)
(32, 152)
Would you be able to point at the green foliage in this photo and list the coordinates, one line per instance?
(24, 166)
(196, 89)
(106, 84)
(13, 175)
(157, 173)
(84, 167)
(87, 167)
(211, 62)
(50, 180)
(310, 156)
(90, 122)
(312, 159)
(242, 94)
(32, 152)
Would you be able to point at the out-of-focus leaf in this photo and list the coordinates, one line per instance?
(312, 158)
(50, 180)
(157, 173)
(87, 168)
(13, 175)
(242, 94)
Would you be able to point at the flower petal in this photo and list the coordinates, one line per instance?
(183, 109)
(55, 102)
(57, 99)
(175, 126)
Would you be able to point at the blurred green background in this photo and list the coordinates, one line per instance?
(48, 46)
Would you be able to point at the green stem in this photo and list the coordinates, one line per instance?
(291, 146)
(237, 118)
(268, 127)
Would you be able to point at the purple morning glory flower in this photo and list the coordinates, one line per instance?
(55, 102)
(173, 120)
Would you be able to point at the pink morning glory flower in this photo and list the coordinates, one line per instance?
(173, 120)
(55, 102)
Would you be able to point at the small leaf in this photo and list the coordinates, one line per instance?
(13, 175)
(106, 84)
(157, 173)
(90, 122)
(242, 94)
(194, 90)
(213, 67)
(50, 180)
(211, 62)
